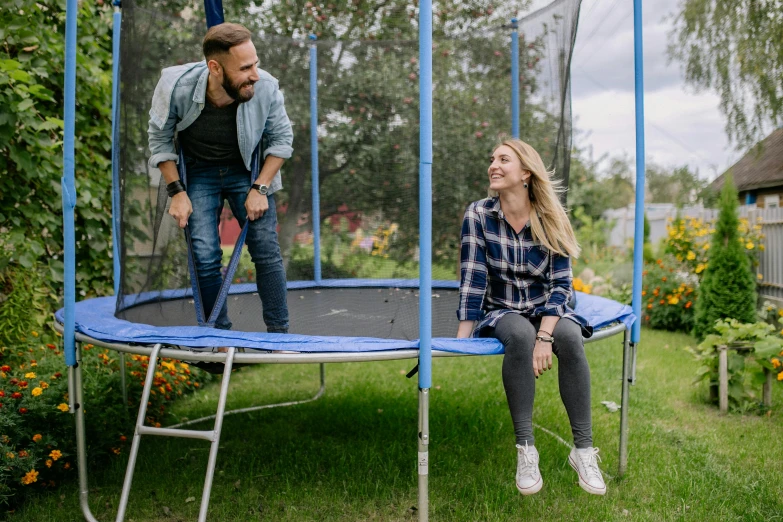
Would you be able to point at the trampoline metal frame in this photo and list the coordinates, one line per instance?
(76, 403)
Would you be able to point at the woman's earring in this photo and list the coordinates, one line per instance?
(524, 184)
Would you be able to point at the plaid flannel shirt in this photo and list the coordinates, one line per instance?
(505, 272)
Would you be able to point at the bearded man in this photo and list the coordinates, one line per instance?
(218, 111)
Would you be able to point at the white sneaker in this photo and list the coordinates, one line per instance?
(585, 463)
(529, 479)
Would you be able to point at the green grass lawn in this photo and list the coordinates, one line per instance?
(352, 454)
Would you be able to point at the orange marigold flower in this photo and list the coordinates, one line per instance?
(48, 463)
(649, 307)
(688, 304)
(67, 465)
(116, 451)
(775, 362)
(663, 279)
(31, 476)
(37, 437)
(23, 454)
(10, 455)
(55, 454)
(780, 376)
(662, 301)
(63, 407)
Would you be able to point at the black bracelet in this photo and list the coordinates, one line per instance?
(548, 333)
(174, 188)
(545, 339)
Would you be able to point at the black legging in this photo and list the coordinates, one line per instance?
(518, 335)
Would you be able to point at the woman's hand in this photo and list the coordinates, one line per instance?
(542, 357)
(465, 329)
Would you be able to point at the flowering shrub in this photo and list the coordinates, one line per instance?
(37, 444)
(668, 296)
(688, 240)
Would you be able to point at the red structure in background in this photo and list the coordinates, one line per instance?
(229, 227)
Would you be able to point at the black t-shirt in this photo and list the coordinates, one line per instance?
(213, 136)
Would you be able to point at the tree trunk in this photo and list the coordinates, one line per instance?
(294, 183)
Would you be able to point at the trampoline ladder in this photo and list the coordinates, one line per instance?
(213, 436)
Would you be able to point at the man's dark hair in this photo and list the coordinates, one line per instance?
(222, 37)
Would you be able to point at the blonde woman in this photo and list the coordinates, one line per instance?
(515, 284)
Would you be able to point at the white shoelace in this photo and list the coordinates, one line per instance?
(528, 461)
(590, 460)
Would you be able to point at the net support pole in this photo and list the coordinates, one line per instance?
(68, 184)
(638, 238)
(314, 159)
(214, 12)
(514, 78)
(115, 143)
(115, 170)
(425, 249)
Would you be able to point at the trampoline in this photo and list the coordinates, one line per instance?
(371, 85)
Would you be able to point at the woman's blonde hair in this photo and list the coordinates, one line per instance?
(548, 220)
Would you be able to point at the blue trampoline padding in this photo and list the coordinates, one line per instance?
(95, 318)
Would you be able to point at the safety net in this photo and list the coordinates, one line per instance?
(368, 152)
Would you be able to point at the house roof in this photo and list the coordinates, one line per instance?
(760, 167)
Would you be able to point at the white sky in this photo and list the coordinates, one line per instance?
(682, 127)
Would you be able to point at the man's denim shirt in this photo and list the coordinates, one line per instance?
(180, 96)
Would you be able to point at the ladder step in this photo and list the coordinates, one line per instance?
(169, 432)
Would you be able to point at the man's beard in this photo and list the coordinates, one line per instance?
(235, 90)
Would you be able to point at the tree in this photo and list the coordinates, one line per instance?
(735, 48)
(680, 185)
(728, 288)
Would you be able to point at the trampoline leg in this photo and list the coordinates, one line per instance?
(134, 451)
(423, 464)
(75, 392)
(627, 361)
(213, 449)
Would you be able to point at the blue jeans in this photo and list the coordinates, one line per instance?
(209, 184)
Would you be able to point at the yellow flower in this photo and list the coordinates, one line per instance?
(700, 268)
(37, 391)
(10, 455)
(759, 277)
(34, 334)
(775, 362)
(749, 245)
(55, 454)
(780, 376)
(761, 247)
(29, 375)
(37, 437)
(31, 476)
(673, 300)
(63, 407)
(48, 463)
(691, 256)
(706, 246)
(578, 285)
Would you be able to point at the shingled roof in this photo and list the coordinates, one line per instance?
(758, 168)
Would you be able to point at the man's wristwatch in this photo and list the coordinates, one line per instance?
(262, 189)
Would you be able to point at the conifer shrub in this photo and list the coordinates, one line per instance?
(728, 288)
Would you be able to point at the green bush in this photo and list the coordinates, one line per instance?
(755, 348)
(728, 288)
(31, 133)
